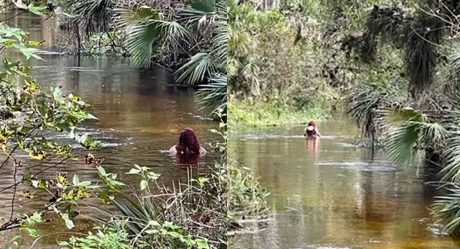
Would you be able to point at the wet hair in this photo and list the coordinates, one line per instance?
(188, 143)
(311, 132)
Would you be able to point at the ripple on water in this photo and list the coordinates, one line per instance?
(362, 166)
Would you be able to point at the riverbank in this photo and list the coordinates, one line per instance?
(244, 113)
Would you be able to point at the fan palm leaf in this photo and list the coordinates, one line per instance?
(446, 210)
(199, 13)
(363, 105)
(401, 143)
(147, 29)
(220, 47)
(140, 42)
(94, 14)
(214, 94)
(409, 130)
(451, 172)
(200, 67)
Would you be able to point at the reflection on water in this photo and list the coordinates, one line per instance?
(330, 194)
(140, 114)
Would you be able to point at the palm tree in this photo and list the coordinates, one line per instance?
(409, 131)
(207, 20)
(147, 30)
(201, 28)
(413, 130)
(214, 94)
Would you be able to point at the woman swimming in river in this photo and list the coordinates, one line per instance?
(311, 131)
(188, 145)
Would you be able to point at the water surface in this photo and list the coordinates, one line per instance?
(140, 114)
(334, 195)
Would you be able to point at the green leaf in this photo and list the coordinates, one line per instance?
(142, 13)
(101, 171)
(144, 184)
(154, 223)
(133, 172)
(27, 51)
(202, 244)
(37, 10)
(68, 222)
(75, 180)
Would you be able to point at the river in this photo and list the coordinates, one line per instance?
(334, 195)
(140, 114)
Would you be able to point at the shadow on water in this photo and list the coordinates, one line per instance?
(140, 115)
(331, 194)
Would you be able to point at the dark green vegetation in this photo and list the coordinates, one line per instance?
(274, 76)
(189, 37)
(408, 100)
(392, 65)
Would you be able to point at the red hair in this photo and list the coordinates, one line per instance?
(311, 123)
(188, 143)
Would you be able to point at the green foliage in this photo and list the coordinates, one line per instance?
(365, 102)
(197, 20)
(221, 146)
(147, 30)
(104, 238)
(246, 197)
(446, 209)
(266, 65)
(30, 222)
(93, 15)
(197, 69)
(103, 43)
(161, 218)
(247, 114)
(146, 175)
(208, 20)
(31, 7)
(214, 94)
(29, 117)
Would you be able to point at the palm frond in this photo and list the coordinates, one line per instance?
(147, 30)
(363, 106)
(197, 69)
(93, 14)
(399, 116)
(451, 172)
(401, 143)
(173, 33)
(198, 11)
(139, 211)
(203, 15)
(220, 47)
(409, 130)
(446, 209)
(140, 42)
(433, 133)
(214, 94)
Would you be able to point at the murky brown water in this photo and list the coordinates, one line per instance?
(334, 195)
(140, 114)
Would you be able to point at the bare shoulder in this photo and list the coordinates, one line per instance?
(173, 150)
(202, 151)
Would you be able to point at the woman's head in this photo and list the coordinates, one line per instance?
(311, 123)
(188, 143)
